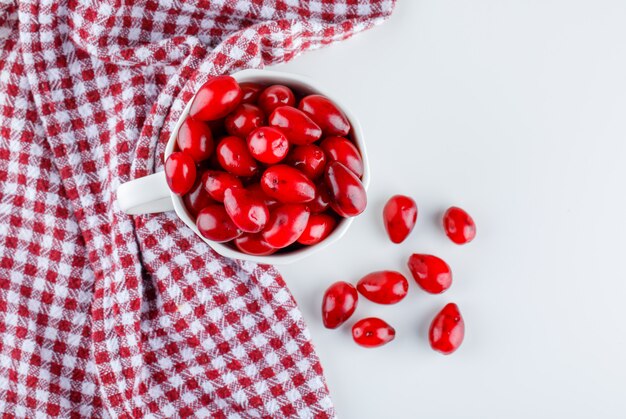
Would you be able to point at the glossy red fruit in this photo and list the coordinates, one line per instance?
(287, 185)
(447, 330)
(234, 157)
(247, 211)
(372, 332)
(347, 194)
(345, 152)
(317, 229)
(431, 273)
(383, 287)
(286, 224)
(399, 215)
(214, 224)
(459, 226)
(180, 172)
(326, 114)
(243, 120)
(197, 198)
(257, 191)
(253, 244)
(309, 159)
(268, 145)
(321, 202)
(298, 127)
(250, 92)
(216, 182)
(275, 96)
(339, 302)
(195, 138)
(216, 98)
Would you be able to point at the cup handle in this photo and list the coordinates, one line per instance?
(145, 195)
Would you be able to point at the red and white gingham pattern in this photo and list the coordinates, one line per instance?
(102, 314)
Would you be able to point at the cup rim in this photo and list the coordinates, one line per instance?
(306, 83)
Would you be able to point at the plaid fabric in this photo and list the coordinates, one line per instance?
(102, 314)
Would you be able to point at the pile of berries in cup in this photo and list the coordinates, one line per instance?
(431, 273)
(265, 168)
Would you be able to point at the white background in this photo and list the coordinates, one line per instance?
(516, 111)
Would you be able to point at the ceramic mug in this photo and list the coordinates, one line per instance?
(150, 194)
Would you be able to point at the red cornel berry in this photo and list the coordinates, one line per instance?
(287, 184)
(197, 198)
(234, 157)
(383, 287)
(309, 159)
(286, 224)
(268, 145)
(343, 151)
(275, 96)
(195, 138)
(459, 226)
(243, 120)
(317, 229)
(216, 98)
(447, 330)
(216, 182)
(347, 194)
(325, 114)
(399, 215)
(295, 124)
(431, 273)
(180, 172)
(253, 244)
(339, 302)
(215, 224)
(372, 332)
(246, 209)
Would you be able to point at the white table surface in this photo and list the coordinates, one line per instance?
(516, 111)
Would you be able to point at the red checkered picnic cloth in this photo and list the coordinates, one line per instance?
(103, 314)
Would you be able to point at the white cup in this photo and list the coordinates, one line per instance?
(150, 194)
